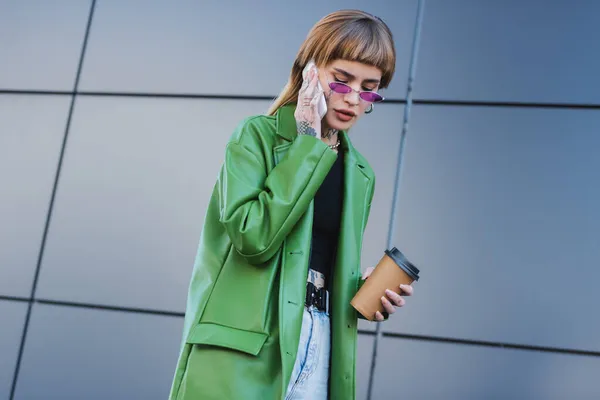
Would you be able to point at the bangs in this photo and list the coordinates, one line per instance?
(362, 41)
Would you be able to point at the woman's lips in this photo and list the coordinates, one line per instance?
(344, 115)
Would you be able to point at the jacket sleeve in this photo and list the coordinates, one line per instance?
(258, 209)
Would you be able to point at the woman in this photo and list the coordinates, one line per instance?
(268, 313)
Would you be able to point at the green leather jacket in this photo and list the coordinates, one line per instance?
(246, 295)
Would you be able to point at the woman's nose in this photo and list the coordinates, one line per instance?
(352, 98)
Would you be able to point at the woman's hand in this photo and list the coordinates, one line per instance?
(395, 300)
(306, 114)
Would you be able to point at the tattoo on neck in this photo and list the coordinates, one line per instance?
(329, 133)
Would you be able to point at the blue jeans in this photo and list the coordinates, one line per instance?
(310, 377)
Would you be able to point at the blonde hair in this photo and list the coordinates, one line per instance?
(350, 35)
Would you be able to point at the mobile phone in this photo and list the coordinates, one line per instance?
(322, 104)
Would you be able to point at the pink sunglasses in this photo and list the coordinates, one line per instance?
(342, 88)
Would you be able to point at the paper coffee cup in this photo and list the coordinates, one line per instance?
(392, 271)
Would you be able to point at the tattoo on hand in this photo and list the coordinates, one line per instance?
(304, 128)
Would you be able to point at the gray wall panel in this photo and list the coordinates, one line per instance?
(366, 325)
(31, 133)
(535, 51)
(364, 351)
(499, 206)
(12, 317)
(136, 180)
(210, 47)
(439, 371)
(74, 353)
(45, 43)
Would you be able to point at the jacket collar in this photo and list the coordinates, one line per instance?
(286, 128)
(286, 123)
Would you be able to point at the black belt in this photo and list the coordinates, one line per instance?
(317, 297)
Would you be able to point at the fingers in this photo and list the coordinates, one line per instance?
(387, 305)
(315, 100)
(308, 97)
(395, 298)
(392, 300)
(305, 83)
(407, 290)
(312, 83)
(367, 273)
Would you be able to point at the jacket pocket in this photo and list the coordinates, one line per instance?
(231, 338)
(243, 295)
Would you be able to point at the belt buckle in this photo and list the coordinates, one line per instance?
(317, 297)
